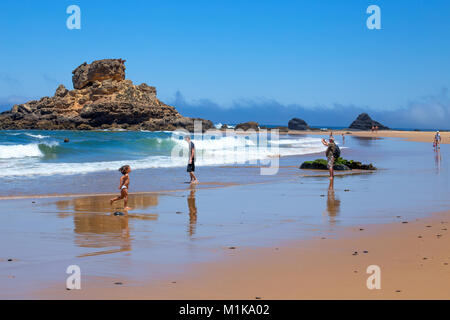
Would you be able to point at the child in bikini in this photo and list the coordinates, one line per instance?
(123, 187)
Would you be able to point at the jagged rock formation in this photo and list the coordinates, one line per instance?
(365, 122)
(102, 99)
(297, 124)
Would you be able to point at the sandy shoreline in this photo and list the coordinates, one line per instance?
(412, 255)
(289, 237)
(417, 136)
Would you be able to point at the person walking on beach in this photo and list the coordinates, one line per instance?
(437, 140)
(191, 163)
(332, 154)
(343, 138)
(123, 186)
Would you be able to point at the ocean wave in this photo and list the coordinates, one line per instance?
(102, 152)
(20, 151)
(34, 150)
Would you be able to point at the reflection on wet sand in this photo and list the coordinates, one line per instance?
(101, 203)
(438, 160)
(96, 226)
(366, 141)
(333, 203)
(192, 211)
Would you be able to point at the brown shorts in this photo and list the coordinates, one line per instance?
(330, 163)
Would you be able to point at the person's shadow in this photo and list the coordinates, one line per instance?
(333, 203)
(192, 211)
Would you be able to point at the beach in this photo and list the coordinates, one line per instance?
(418, 136)
(238, 234)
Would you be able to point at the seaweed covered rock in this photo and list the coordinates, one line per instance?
(339, 165)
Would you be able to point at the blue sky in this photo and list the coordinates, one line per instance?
(236, 60)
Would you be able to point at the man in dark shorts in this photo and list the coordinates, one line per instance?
(191, 163)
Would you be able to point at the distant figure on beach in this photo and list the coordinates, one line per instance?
(343, 138)
(123, 186)
(331, 153)
(373, 129)
(376, 129)
(191, 163)
(437, 140)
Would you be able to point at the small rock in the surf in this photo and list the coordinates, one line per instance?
(118, 283)
(365, 251)
(66, 140)
(258, 298)
(10, 260)
(231, 248)
(346, 190)
(420, 237)
(405, 222)
(178, 212)
(398, 290)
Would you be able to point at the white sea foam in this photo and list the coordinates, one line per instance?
(37, 136)
(20, 151)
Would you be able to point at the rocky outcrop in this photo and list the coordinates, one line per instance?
(297, 124)
(247, 125)
(100, 70)
(339, 165)
(102, 99)
(365, 122)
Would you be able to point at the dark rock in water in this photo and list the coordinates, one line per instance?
(66, 140)
(247, 125)
(365, 122)
(118, 213)
(102, 99)
(297, 124)
(339, 165)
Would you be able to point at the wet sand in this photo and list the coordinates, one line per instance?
(412, 255)
(418, 136)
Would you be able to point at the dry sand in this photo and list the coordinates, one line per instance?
(413, 257)
(418, 136)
